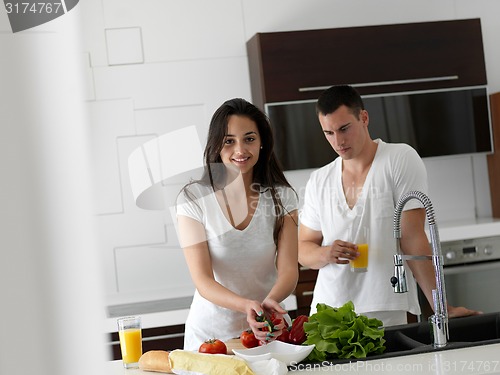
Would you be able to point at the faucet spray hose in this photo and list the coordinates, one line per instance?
(424, 199)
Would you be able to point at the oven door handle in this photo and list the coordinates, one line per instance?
(453, 270)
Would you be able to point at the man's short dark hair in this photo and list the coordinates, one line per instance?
(336, 96)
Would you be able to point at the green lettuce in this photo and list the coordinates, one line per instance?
(341, 333)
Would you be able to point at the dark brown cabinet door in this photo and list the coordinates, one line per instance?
(298, 65)
(494, 159)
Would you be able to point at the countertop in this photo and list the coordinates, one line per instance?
(154, 317)
(468, 229)
(475, 360)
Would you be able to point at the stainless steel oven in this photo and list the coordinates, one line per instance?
(472, 274)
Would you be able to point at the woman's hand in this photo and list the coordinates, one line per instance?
(341, 252)
(274, 312)
(270, 309)
(253, 310)
(273, 307)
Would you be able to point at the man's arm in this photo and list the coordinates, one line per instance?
(315, 256)
(414, 242)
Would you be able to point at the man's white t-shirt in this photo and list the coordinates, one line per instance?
(396, 170)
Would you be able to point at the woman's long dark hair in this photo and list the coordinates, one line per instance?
(267, 171)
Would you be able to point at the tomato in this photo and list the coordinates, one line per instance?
(213, 346)
(248, 339)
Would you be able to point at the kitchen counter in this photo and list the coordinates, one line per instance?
(475, 360)
(153, 315)
(152, 320)
(468, 229)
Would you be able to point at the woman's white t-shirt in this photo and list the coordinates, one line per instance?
(396, 169)
(242, 260)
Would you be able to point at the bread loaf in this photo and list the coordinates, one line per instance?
(155, 360)
(183, 360)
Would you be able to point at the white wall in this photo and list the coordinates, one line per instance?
(159, 65)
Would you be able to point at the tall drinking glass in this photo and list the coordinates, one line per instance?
(360, 264)
(129, 331)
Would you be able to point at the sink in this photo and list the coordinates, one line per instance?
(467, 331)
(415, 338)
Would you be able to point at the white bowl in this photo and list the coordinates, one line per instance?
(287, 353)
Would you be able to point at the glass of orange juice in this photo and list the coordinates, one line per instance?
(360, 264)
(129, 331)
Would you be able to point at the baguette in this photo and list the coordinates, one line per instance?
(214, 364)
(155, 360)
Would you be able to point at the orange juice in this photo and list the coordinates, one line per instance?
(360, 264)
(131, 345)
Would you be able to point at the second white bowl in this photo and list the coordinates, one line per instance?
(287, 353)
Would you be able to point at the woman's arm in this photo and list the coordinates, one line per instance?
(288, 272)
(286, 260)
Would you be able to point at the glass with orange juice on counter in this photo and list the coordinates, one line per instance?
(129, 331)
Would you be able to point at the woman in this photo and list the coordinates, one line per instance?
(238, 230)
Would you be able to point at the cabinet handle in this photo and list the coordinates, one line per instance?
(153, 338)
(302, 268)
(169, 336)
(307, 293)
(385, 83)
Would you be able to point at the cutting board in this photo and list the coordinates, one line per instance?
(233, 344)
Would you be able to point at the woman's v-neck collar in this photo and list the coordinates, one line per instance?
(228, 222)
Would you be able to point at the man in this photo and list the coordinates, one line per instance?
(360, 190)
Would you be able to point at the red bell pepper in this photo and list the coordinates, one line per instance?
(297, 334)
(285, 336)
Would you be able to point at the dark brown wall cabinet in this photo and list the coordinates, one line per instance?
(298, 65)
(494, 159)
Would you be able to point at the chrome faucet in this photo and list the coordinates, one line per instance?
(438, 321)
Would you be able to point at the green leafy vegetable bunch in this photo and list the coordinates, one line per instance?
(341, 333)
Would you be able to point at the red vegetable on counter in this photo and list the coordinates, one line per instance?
(285, 336)
(297, 334)
(248, 339)
(213, 346)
